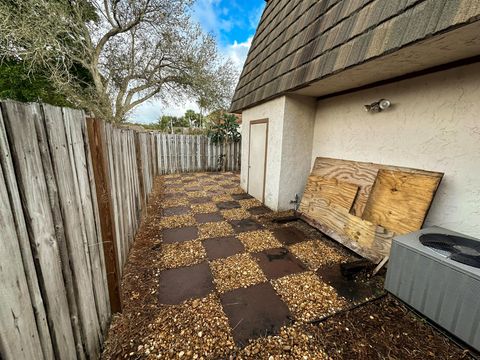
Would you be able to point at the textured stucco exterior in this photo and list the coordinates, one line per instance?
(434, 124)
(274, 112)
(299, 119)
(289, 148)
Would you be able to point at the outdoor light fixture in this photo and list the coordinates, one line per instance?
(378, 106)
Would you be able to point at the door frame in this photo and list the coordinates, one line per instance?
(254, 122)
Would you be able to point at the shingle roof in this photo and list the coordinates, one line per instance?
(301, 41)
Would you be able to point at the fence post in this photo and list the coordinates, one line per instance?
(141, 182)
(96, 134)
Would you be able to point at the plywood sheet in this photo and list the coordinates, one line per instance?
(364, 205)
(361, 174)
(331, 190)
(400, 200)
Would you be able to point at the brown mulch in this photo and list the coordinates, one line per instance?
(139, 285)
(383, 329)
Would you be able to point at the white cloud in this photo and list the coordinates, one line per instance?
(238, 52)
(206, 13)
(254, 16)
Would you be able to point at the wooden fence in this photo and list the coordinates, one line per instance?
(186, 153)
(72, 192)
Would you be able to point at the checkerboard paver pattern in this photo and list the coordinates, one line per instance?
(254, 266)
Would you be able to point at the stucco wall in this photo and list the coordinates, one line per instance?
(434, 124)
(290, 134)
(299, 120)
(273, 111)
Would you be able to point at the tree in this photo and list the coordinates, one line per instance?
(167, 122)
(215, 117)
(226, 131)
(17, 83)
(133, 51)
(193, 118)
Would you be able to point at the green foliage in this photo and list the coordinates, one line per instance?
(153, 127)
(168, 122)
(225, 131)
(17, 84)
(21, 81)
(194, 119)
(191, 120)
(215, 117)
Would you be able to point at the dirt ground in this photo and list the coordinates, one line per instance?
(286, 271)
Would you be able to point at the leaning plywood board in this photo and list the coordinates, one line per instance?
(345, 200)
(361, 174)
(399, 200)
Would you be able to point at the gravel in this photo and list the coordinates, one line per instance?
(175, 221)
(307, 297)
(223, 197)
(234, 190)
(180, 201)
(196, 329)
(235, 214)
(214, 229)
(316, 253)
(186, 253)
(211, 187)
(173, 190)
(204, 208)
(249, 203)
(199, 329)
(260, 240)
(235, 272)
(196, 194)
(291, 343)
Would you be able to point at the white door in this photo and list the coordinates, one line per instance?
(257, 158)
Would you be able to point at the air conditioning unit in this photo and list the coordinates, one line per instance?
(437, 272)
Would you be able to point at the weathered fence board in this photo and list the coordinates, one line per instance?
(24, 243)
(16, 311)
(59, 227)
(19, 121)
(84, 194)
(103, 292)
(78, 188)
(98, 148)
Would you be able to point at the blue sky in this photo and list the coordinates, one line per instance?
(233, 24)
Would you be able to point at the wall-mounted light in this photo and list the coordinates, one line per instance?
(378, 106)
